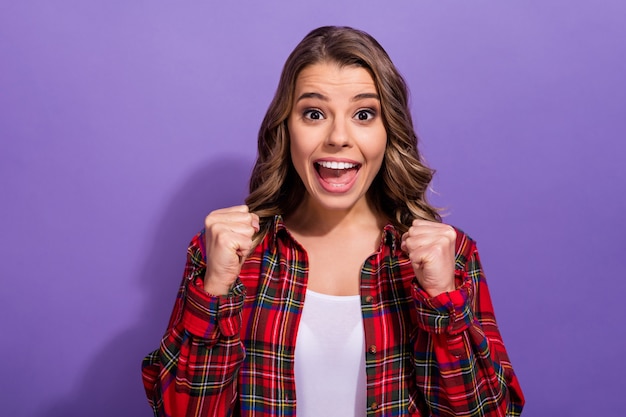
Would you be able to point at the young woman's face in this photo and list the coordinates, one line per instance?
(337, 134)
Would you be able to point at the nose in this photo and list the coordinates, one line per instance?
(339, 134)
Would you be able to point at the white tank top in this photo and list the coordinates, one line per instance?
(330, 357)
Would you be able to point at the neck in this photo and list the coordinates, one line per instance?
(313, 220)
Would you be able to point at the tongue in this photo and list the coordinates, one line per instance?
(337, 176)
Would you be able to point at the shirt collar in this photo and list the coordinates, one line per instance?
(390, 237)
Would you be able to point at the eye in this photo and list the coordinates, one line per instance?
(365, 115)
(313, 114)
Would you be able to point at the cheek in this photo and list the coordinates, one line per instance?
(301, 147)
(377, 148)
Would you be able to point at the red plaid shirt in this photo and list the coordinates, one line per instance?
(234, 355)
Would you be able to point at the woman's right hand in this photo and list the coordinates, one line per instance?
(228, 237)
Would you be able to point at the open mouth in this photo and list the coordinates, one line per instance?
(337, 173)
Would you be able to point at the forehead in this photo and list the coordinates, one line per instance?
(330, 76)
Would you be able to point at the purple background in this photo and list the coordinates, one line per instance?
(122, 123)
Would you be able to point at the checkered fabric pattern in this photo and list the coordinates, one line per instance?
(234, 355)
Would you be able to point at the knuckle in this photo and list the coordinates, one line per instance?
(209, 225)
(450, 232)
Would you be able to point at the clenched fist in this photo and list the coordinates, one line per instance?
(431, 248)
(228, 236)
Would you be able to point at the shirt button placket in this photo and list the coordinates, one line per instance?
(372, 349)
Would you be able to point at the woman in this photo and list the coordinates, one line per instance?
(336, 290)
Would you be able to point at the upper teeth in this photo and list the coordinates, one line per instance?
(336, 165)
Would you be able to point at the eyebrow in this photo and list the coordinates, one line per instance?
(364, 96)
(322, 97)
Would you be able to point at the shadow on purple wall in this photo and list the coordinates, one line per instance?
(111, 385)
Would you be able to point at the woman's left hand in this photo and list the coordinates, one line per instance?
(431, 248)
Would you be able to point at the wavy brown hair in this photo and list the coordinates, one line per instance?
(399, 189)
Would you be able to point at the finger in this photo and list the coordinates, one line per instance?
(234, 209)
(427, 250)
(430, 231)
(246, 229)
(422, 222)
(245, 249)
(422, 242)
(256, 221)
(426, 227)
(235, 243)
(227, 214)
(232, 217)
